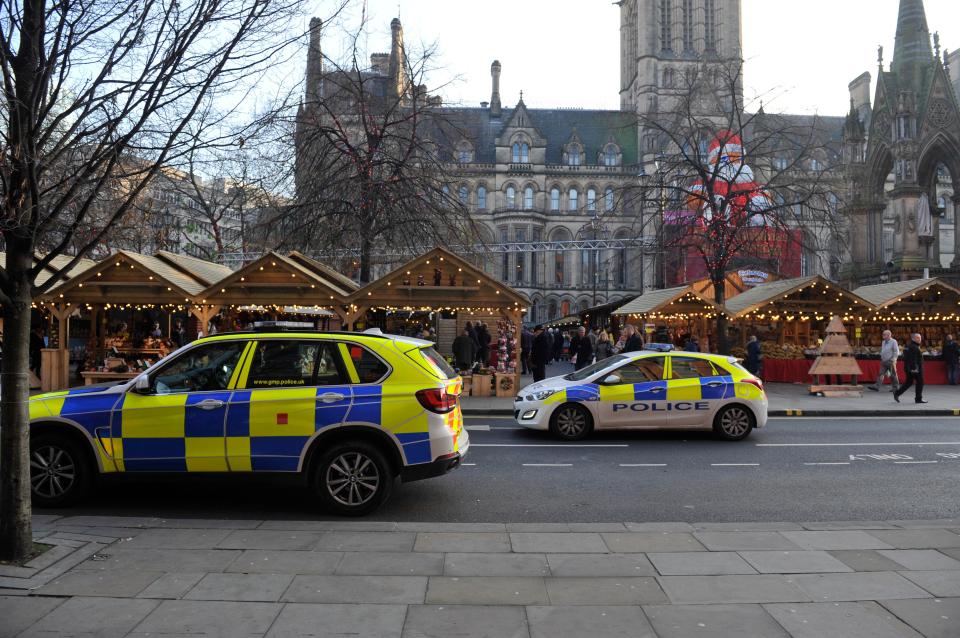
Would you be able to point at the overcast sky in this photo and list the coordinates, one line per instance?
(800, 55)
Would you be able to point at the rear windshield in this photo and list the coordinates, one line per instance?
(435, 364)
(733, 364)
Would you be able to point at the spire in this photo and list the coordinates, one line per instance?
(398, 59)
(912, 53)
(314, 89)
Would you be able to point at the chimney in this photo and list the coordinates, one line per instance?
(860, 94)
(495, 108)
(315, 63)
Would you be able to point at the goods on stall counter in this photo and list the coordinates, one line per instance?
(507, 345)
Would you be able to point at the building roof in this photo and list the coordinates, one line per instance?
(207, 272)
(333, 276)
(56, 264)
(169, 271)
(883, 295)
(765, 293)
(658, 300)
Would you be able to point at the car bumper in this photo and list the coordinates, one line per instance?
(532, 414)
(761, 408)
(438, 467)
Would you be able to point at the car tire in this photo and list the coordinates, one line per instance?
(353, 478)
(734, 423)
(571, 422)
(60, 470)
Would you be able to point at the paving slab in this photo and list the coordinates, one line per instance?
(953, 552)
(475, 564)
(918, 538)
(110, 521)
(269, 539)
(598, 527)
(932, 617)
(487, 590)
(171, 586)
(19, 612)
(115, 583)
(558, 543)
(713, 621)
(451, 527)
(101, 617)
(828, 526)
(381, 590)
(702, 590)
(839, 539)
(945, 584)
(300, 620)
(642, 542)
(593, 621)
(737, 541)
(177, 538)
(208, 618)
(208, 523)
(700, 563)
(858, 586)
(805, 562)
(839, 620)
(331, 526)
(659, 527)
(602, 565)
(539, 527)
(865, 560)
(174, 560)
(366, 542)
(391, 564)
(276, 561)
(921, 559)
(241, 587)
(465, 621)
(751, 526)
(604, 591)
(462, 542)
(929, 523)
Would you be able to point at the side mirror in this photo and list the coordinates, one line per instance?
(143, 385)
(612, 379)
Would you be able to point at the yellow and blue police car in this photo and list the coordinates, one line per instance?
(647, 389)
(347, 412)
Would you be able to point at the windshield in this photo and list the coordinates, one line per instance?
(591, 370)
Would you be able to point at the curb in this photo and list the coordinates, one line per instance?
(872, 414)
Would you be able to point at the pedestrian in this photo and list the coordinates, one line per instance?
(889, 353)
(584, 351)
(464, 351)
(692, 345)
(179, 334)
(754, 361)
(594, 336)
(604, 347)
(633, 342)
(550, 338)
(37, 344)
(913, 363)
(574, 347)
(951, 356)
(156, 333)
(539, 354)
(558, 345)
(526, 345)
(483, 336)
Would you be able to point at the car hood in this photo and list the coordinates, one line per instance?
(553, 383)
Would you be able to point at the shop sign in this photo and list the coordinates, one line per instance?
(753, 277)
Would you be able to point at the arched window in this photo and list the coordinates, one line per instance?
(666, 25)
(463, 194)
(555, 199)
(559, 262)
(524, 153)
(688, 26)
(528, 198)
(610, 155)
(592, 200)
(573, 156)
(552, 309)
(481, 198)
(464, 152)
(511, 197)
(516, 153)
(710, 25)
(609, 200)
(572, 196)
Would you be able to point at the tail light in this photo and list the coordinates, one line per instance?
(754, 381)
(437, 400)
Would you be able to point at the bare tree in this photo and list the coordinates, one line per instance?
(736, 188)
(98, 97)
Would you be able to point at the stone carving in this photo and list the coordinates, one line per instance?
(939, 114)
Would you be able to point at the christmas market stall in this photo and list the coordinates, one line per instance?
(790, 317)
(435, 296)
(672, 316)
(930, 307)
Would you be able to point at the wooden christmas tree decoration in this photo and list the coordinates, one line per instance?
(836, 358)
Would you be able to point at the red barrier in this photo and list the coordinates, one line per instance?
(796, 371)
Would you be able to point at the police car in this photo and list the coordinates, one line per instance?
(648, 389)
(346, 412)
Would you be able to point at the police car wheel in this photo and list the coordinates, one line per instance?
(733, 423)
(571, 422)
(59, 471)
(353, 479)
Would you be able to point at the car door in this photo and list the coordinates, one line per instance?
(178, 424)
(637, 399)
(695, 390)
(289, 389)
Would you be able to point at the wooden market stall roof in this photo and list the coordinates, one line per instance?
(806, 296)
(915, 299)
(883, 295)
(54, 267)
(206, 272)
(335, 277)
(683, 300)
(463, 286)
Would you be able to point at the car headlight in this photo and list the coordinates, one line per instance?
(541, 395)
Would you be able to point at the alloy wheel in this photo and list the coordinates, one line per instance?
(571, 422)
(735, 422)
(352, 479)
(52, 471)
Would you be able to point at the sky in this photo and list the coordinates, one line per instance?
(800, 54)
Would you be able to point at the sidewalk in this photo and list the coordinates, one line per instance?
(113, 576)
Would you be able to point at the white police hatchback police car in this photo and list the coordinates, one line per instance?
(646, 390)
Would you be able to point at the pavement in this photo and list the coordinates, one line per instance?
(142, 576)
(786, 399)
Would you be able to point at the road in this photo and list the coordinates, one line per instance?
(796, 469)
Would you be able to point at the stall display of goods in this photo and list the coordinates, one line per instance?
(771, 350)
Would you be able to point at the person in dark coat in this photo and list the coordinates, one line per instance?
(584, 349)
(540, 354)
(692, 345)
(36, 345)
(179, 334)
(951, 357)
(633, 342)
(754, 356)
(464, 351)
(574, 347)
(913, 364)
(557, 345)
(483, 338)
(526, 345)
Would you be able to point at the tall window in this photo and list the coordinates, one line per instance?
(666, 25)
(608, 200)
(592, 200)
(573, 156)
(511, 197)
(620, 267)
(463, 194)
(521, 256)
(555, 199)
(481, 198)
(528, 198)
(558, 264)
(521, 153)
(710, 25)
(516, 153)
(572, 196)
(537, 237)
(505, 260)
(586, 268)
(687, 26)
(610, 155)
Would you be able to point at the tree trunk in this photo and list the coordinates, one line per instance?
(365, 250)
(720, 297)
(16, 533)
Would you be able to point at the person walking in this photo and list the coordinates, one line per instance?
(526, 345)
(573, 347)
(483, 337)
(754, 359)
(951, 356)
(540, 354)
(584, 350)
(633, 342)
(889, 353)
(604, 347)
(913, 363)
(464, 350)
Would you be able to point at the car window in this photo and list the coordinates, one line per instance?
(203, 368)
(592, 369)
(292, 364)
(691, 368)
(433, 362)
(370, 368)
(642, 370)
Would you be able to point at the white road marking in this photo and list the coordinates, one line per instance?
(495, 418)
(643, 465)
(478, 428)
(913, 462)
(735, 464)
(854, 444)
(544, 445)
(843, 463)
(468, 464)
(548, 465)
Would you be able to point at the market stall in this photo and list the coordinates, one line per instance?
(672, 315)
